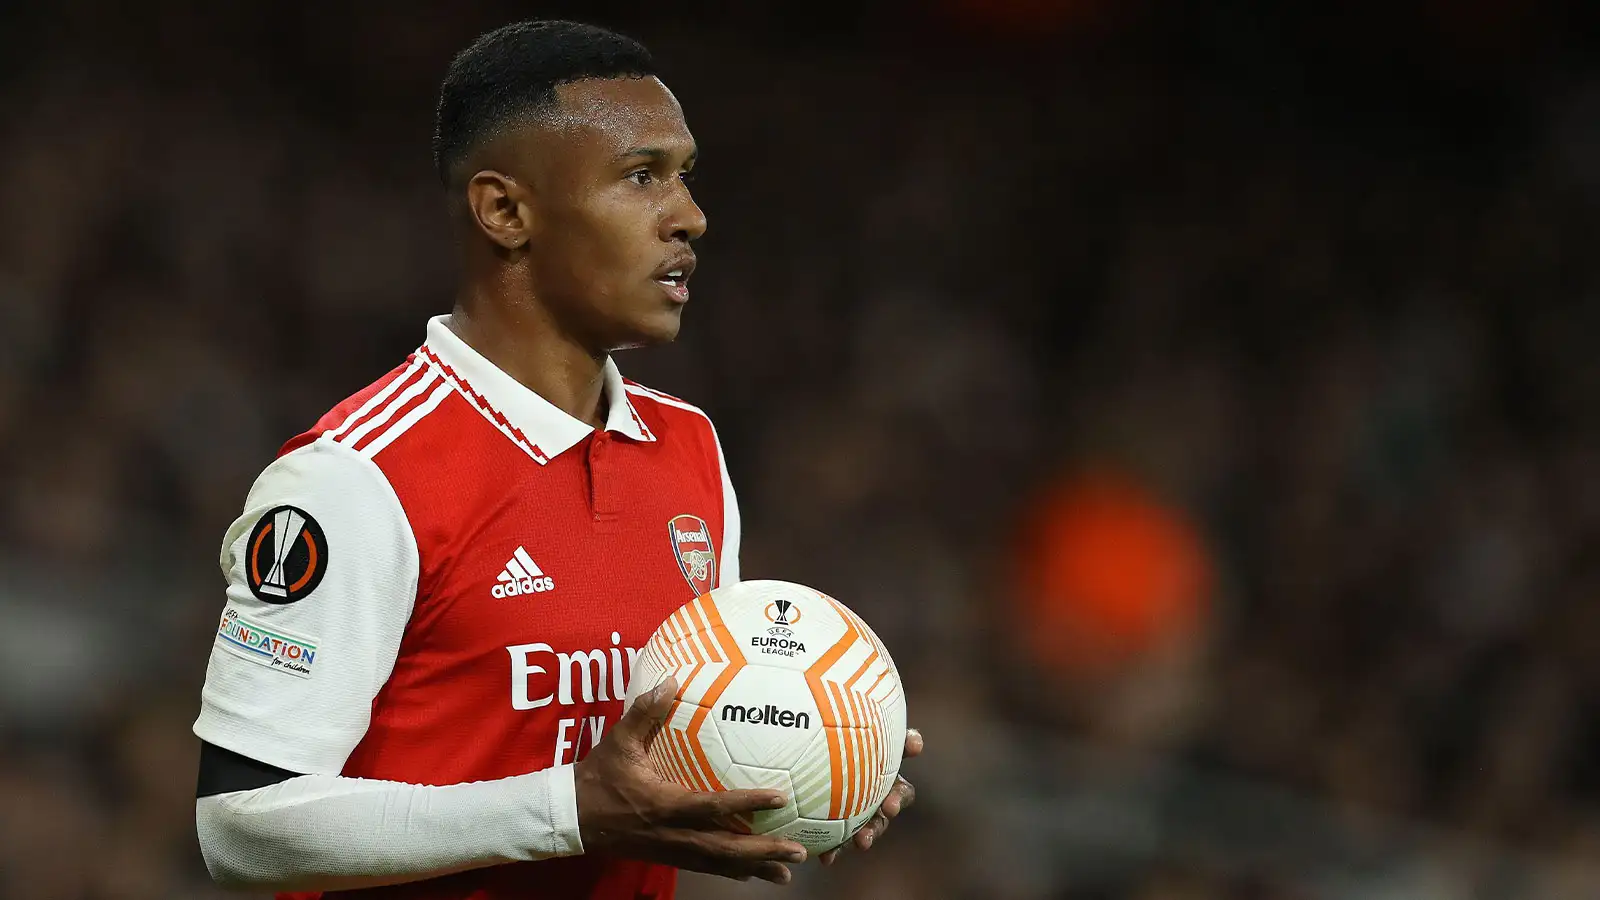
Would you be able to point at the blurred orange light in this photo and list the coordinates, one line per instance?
(1107, 572)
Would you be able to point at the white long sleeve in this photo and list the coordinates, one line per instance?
(327, 832)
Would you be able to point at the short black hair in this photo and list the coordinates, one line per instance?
(512, 72)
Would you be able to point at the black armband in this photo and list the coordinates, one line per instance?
(224, 771)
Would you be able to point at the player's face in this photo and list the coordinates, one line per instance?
(611, 215)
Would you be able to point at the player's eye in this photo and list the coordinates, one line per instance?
(686, 176)
(641, 176)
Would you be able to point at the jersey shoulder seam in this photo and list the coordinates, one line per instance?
(393, 411)
(326, 444)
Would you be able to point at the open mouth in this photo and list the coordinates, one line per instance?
(673, 275)
(675, 281)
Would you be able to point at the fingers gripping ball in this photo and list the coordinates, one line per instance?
(780, 687)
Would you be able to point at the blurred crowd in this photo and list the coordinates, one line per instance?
(1343, 324)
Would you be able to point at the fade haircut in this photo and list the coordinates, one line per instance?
(510, 75)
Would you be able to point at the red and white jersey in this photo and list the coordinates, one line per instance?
(447, 580)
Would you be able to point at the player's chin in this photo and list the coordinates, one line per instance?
(656, 327)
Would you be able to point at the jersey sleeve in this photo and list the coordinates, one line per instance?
(321, 572)
(731, 526)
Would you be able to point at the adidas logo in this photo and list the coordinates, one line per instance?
(522, 576)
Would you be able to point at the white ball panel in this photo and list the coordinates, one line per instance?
(812, 776)
(751, 611)
(767, 717)
(817, 836)
(752, 778)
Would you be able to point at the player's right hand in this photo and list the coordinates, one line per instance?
(626, 809)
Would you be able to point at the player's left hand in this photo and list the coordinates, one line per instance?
(901, 796)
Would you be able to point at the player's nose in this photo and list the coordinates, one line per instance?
(687, 221)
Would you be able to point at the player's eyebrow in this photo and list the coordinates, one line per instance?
(657, 154)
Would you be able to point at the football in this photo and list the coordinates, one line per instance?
(781, 687)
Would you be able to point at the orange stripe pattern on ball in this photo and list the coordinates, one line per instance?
(866, 781)
(719, 632)
(832, 725)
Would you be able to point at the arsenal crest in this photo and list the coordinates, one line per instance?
(697, 558)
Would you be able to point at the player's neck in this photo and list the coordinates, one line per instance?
(538, 356)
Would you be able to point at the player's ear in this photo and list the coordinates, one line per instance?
(498, 205)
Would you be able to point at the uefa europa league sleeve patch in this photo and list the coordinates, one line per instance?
(286, 556)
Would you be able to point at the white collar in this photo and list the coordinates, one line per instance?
(529, 420)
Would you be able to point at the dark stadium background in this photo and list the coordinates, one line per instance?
(1293, 303)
